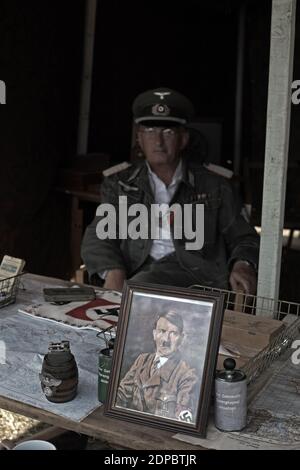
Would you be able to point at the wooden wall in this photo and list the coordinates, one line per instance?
(40, 62)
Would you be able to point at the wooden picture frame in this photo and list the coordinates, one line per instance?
(165, 357)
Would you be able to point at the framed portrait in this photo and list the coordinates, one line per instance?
(165, 357)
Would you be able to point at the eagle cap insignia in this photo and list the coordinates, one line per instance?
(160, 110)
(162, 94)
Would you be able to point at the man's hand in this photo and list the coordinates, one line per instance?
(243, 278)
(115, 279)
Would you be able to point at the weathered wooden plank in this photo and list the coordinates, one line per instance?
(277, 143)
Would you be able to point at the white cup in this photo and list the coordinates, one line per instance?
(34, 445)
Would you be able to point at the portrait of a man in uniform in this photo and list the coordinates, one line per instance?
(165, 357)
(161, 382)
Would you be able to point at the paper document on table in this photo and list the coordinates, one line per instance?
(26, 342)
(273, 416)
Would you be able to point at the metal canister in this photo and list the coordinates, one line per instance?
(104, 368)
(230, 398)
(59, 375)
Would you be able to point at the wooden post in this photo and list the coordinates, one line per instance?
(277, 144)
(238, 124)
(86, 83)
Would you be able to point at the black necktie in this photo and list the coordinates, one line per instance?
(155, 365)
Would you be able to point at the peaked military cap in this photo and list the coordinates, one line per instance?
(162, 105)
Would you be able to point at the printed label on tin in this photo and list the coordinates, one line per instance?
(230, 405)
(104, 375)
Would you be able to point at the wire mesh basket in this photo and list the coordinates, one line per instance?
(108, 335)
(284, 311)
(8, 289)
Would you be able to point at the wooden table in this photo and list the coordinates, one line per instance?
(120, 434)
(117, 433)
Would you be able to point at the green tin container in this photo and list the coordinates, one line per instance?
(104, 368)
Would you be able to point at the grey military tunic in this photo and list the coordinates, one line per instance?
(227, 235)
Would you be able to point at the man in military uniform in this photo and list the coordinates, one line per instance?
(230, 251)
(161, 383)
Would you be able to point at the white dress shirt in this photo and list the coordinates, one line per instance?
(163, 245)
(159, 360)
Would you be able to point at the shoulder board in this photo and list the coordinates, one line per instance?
(116, 168)
(219, 170)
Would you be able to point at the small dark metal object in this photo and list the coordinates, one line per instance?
(69, 294)
(59, 376)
